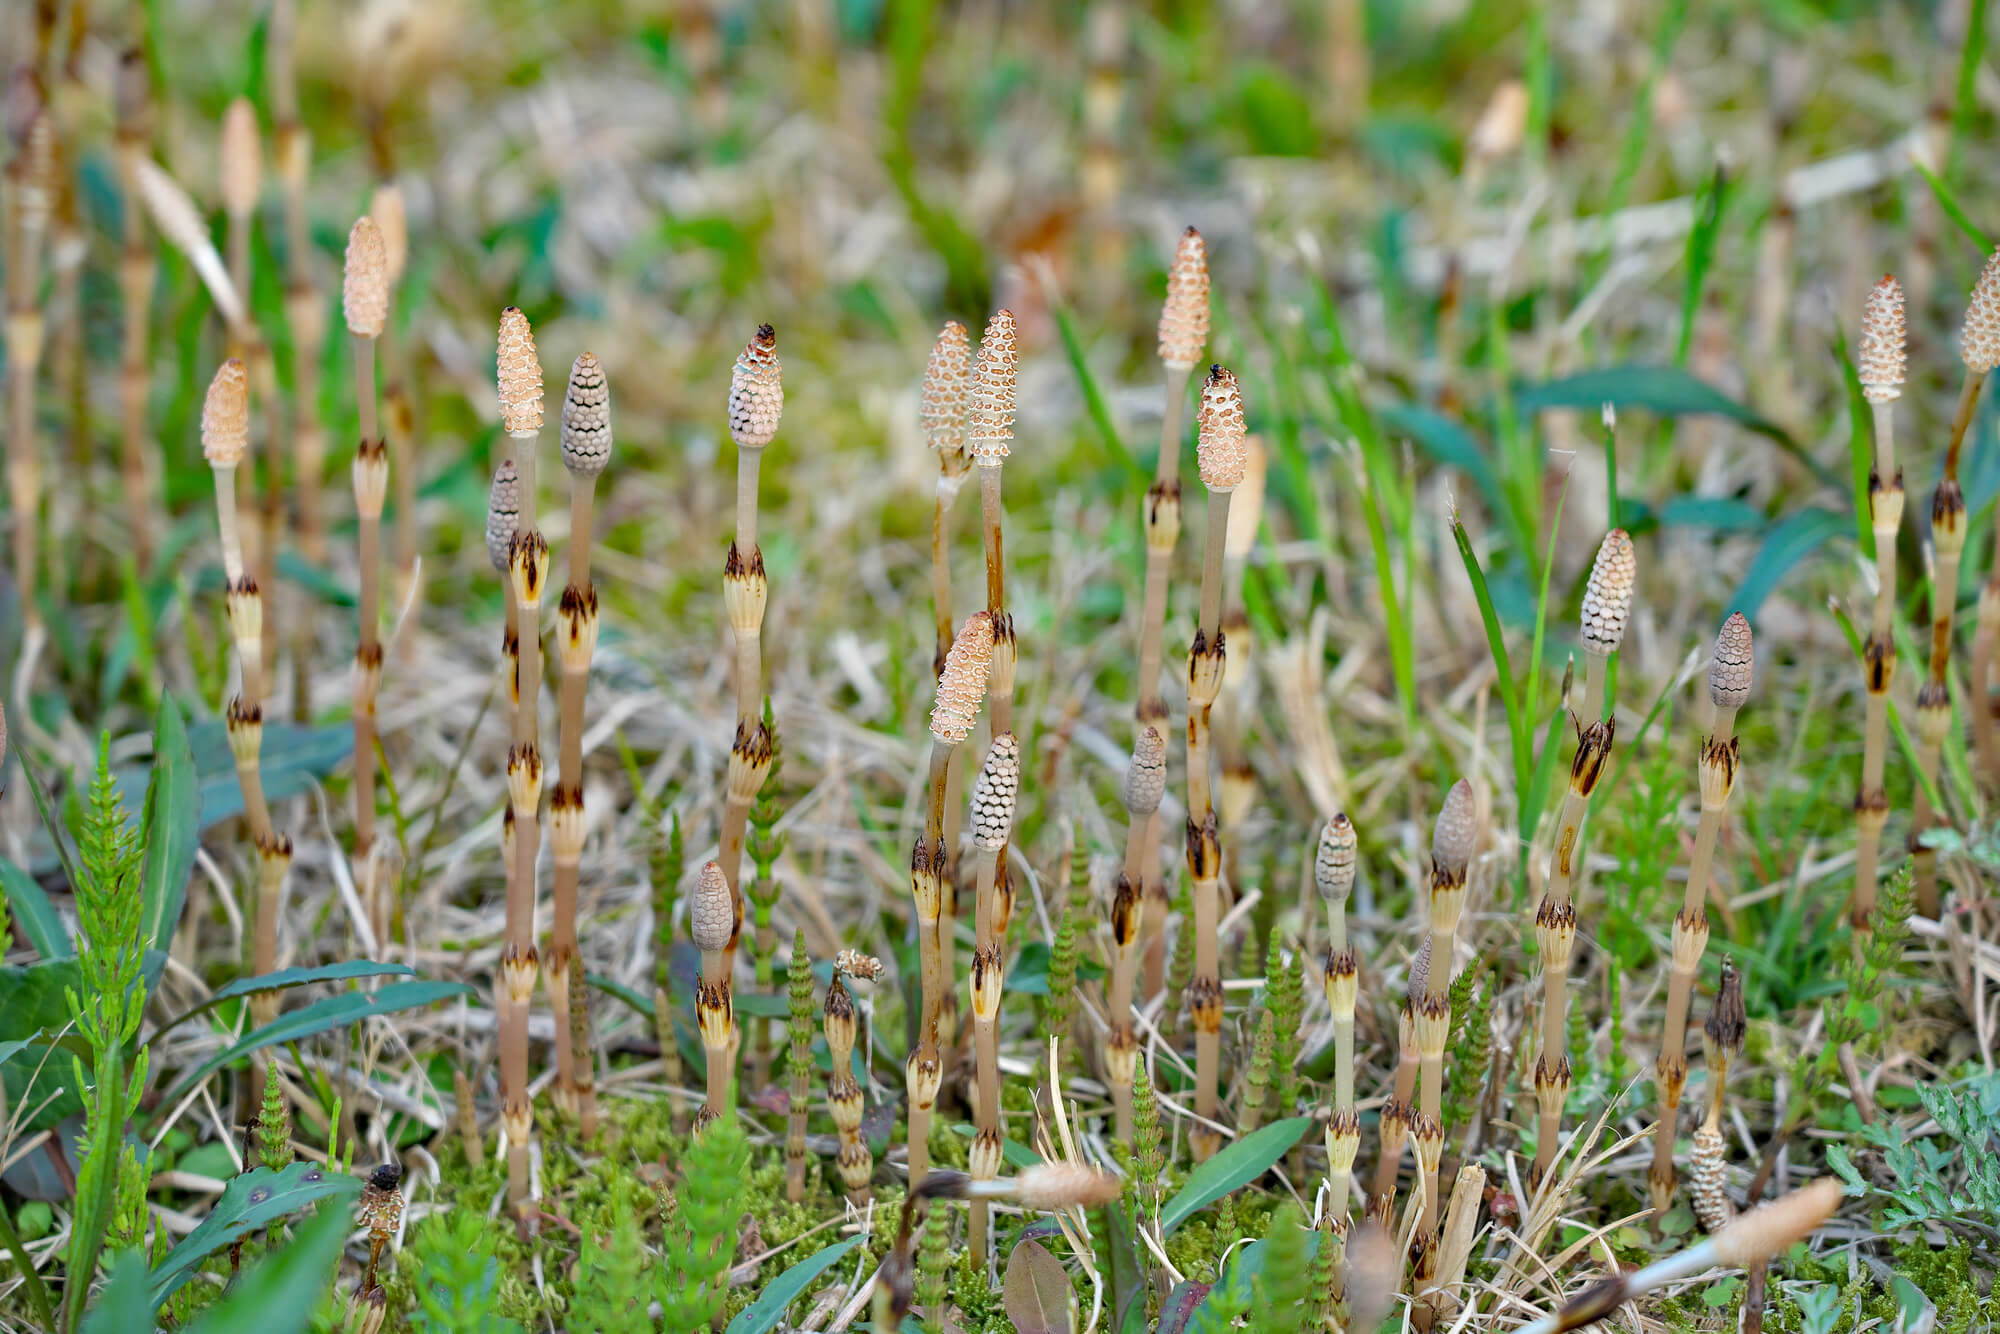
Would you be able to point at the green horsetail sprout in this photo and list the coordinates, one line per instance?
(1145, 788)
(947, 382)
(713, 923)
(1882, 359)
(29, 200)
(960, 688)
(994, 795)
(137, 266)
(1453, 840)
(1333, 875)
(1979, 347)
(1721, 1042)
(1729, 677)
(582, 1047)
(1751, 1240)
(519, 380)
(798, 1064)
(1607, 606)
(1222, 459)
(586, 448)
(843, 1093)
(1257, 1077)
(364, 300)
(1183, 338)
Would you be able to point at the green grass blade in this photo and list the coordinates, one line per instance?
(1510, 696)
(1948, 201)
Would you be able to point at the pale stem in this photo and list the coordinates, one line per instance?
(989, 513)
(748, 462)
(582, 516)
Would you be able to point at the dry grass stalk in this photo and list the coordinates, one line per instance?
(1145, 787)
(305, 316)
(30, 197)
(1979, 348)
(586, 449)
(364, 299)
(1453, 839)
(1334, 867)
(399, 417)
(1721, 1042)
(242, 167)
(844, 1100)
(1751, 1240)
(136, 268)
(1607, 605)
(960, 688)
(993, 801)
(1222, 459)
(1882, 363)
(1729, 677)
(518, 374)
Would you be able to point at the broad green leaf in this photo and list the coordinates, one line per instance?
(280, 1295)
(1036, 1291)
(251, 1201)
(34, 914)
(1668, 391)
(124, 1306)
(1791, 540)
(763, 1315)
(170, 827)
(1450, 443)
(1236, 1166)
(320, 1017)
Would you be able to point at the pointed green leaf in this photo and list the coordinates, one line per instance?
(764, 1314)
(252, 1201)
(1233, 1168)
(280, 1295)
(124, 1306)
(1788, 542)
(34, 914)
(320, 1017)
(170, 827)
